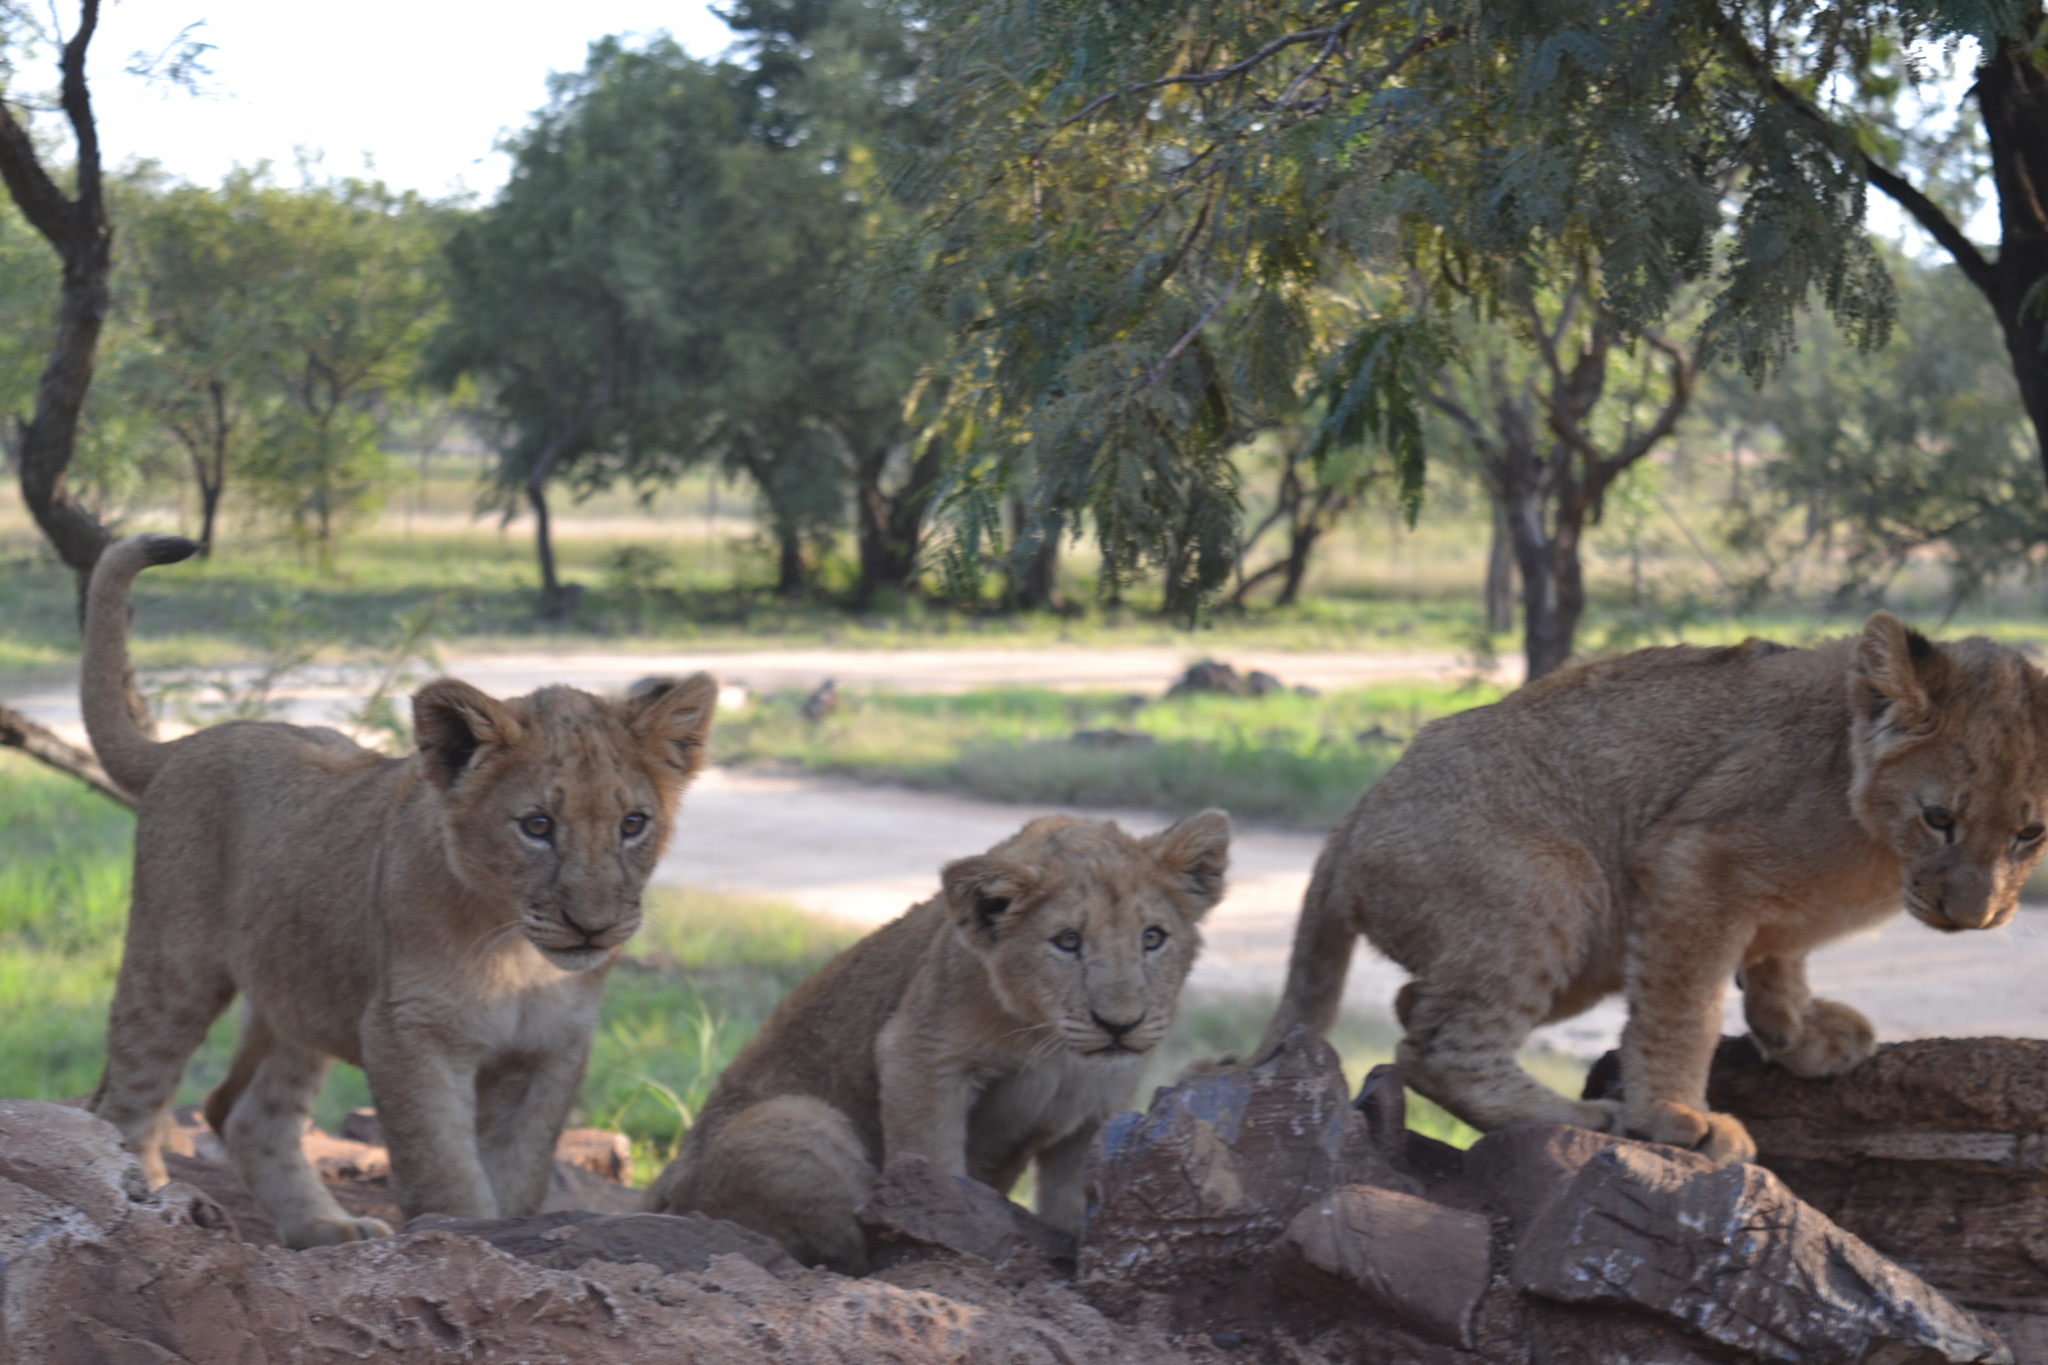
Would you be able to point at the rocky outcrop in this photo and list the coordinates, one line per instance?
(97, 1270)
(1934, 1151)
(1258, 1205)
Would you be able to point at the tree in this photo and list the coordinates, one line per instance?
(1550, 439)
(1127, 196)
(76, 227)
(668, 279)
(1871, 457)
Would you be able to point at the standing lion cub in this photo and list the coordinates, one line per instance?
(996, 1024)
(1656, 823)
(445, 921)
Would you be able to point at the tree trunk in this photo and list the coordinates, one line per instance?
(790, 570)
(1032, 570)
(891, 526)
(1299, 545)
(2012, 93)
(1500, 574)
(78, 230)
(544, 547)
(1553, 586)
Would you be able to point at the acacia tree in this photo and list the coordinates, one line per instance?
(1549, 439)
(1134, 205)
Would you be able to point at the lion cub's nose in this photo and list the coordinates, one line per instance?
(1116, 1032)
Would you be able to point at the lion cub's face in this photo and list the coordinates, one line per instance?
(1089, 931)
(1951, 769)
(558, 804)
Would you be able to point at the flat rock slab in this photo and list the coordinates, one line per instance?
(916, 1210)
(1733, 1256)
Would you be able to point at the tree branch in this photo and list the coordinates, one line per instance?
(1924, 210)
(19, 732)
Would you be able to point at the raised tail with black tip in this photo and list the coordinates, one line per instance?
(125, 749)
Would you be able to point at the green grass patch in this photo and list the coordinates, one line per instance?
(1283, 757)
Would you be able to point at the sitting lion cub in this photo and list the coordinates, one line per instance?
(998, 1023)
(445, 920)
(1655, 824)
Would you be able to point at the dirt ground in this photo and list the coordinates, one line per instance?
(864, 854)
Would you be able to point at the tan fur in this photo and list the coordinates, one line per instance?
(393, 913)
(1655, 823)
(964, 1032)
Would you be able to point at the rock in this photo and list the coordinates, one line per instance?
(71, 1157)
(602, 1153)
(1523, 1168)
(915, 1211)
(1198, 1189)
(1260, 683)
(1360, 1246)
(1734, 1257)
(1209, 676)
(1932, 1151)
(822, 702)
(571, 1238)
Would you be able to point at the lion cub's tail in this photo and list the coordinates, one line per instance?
(125, 749)
(1324, 937)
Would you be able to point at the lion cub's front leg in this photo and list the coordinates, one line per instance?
(1675, 984)
(521, 1107)
(426, 1102)
(1808, 1037)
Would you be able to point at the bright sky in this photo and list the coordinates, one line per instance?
(423, 88)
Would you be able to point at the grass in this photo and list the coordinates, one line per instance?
(1284, 757)
(703, 975)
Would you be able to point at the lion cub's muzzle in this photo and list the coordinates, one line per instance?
(571, 942)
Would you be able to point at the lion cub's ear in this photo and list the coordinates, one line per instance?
(672, 720)
(1892, 678)
(1197, 853)
(451, 721)
(980, 892)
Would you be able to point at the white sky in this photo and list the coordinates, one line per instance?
(423, 88)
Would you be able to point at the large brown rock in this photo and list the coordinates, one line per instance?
(161, 1278)
(1933, 1151)
(916, 1211)
(1201, 1187)
(1361, 1248)
(1734, 1257)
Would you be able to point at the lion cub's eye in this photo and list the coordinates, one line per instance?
(632, 824)
(1938, 818)
(1068, 942)
(536, 826)
(2030, 833)
(1154, 937)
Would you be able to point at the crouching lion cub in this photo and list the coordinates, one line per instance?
(1655, 824)
(445, 920)
(996, 1024)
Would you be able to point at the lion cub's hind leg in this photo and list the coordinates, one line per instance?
(260, 1112)
(1810, 1038)
(1459, 1049)
(162, 1010)
(791, 1167)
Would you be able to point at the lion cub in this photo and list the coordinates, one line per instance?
(445, 921)
(996, 1024)
(1657, 823)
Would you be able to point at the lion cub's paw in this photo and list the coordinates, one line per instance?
(1720, 1138)
(327, 1232)
(1602, 1116)
(1835, 1039)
